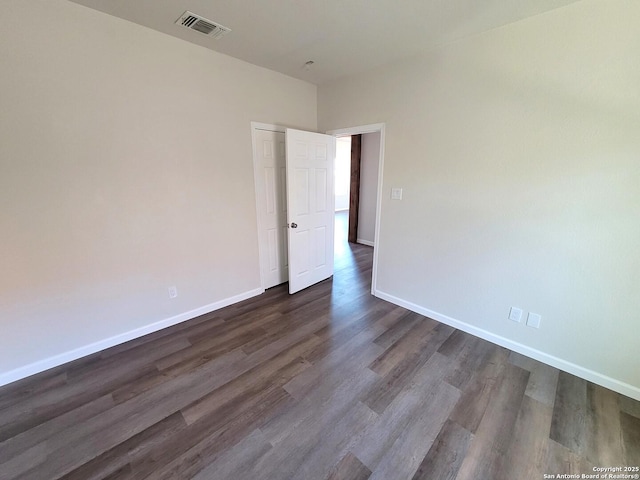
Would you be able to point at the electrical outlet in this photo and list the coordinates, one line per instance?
(533, 320)
(515, 314)
(173, 292)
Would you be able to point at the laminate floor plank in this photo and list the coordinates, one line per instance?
(275, 373)
(542, 383)
(631, 438)
(444, 458)
(218, 344)
(569, 425)
(281, 327)
(329, 383)
(527, 453)
(29, 438)
(561, 460)
(236, 462)
(320, 290)
(260, 303)
(318, 410)
(73, 394)
(125, 473)
(603, 439)
(352, 309)
(333, 337)
(333, 368)
(70, 448)
(543, 380)
(188, 453)
(349, 468)
(381, 435)
(407, 452)
(333, 442)
(400, 327)
(149, 379)
(117, 460)
(414, 339)
(21, 462)
(470, 356)
(210, 434)
(24, 389)
(475, 398)
(272, 349)
(233, 319)
(178, 331)
(133, 357)
(486, 454)
(454, 344)
(394, 381)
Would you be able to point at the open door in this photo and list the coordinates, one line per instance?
(310, 207)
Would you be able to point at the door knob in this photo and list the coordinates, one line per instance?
(294, 225)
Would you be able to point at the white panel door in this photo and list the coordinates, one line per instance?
(310, 207)
(270, 168)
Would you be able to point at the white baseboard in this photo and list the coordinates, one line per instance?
(365, 242)
(62, 358)
(582, 372)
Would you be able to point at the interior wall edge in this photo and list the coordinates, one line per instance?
(65, 357)
(559, 363)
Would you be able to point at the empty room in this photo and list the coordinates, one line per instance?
(180, 299)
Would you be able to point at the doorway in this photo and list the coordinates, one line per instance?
(356, 180)
(365, 185)
(274, 247)
(294, 185)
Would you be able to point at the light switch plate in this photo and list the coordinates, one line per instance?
(396, 194)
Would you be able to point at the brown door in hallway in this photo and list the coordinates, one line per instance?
(354, 189)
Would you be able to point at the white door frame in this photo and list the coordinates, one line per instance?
(272, 128)
(358, 130)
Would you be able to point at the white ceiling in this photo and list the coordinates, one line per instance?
(341, 36)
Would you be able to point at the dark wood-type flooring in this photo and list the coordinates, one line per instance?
(330, 383)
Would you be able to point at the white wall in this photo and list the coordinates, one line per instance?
(369, 164)
(518, 151)
(125, 167)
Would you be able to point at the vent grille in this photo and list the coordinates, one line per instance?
(199, 24)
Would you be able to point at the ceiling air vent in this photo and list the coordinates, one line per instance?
(202, 25)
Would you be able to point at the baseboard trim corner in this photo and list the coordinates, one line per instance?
(559, 363)
(65, 357)
(368, 243)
